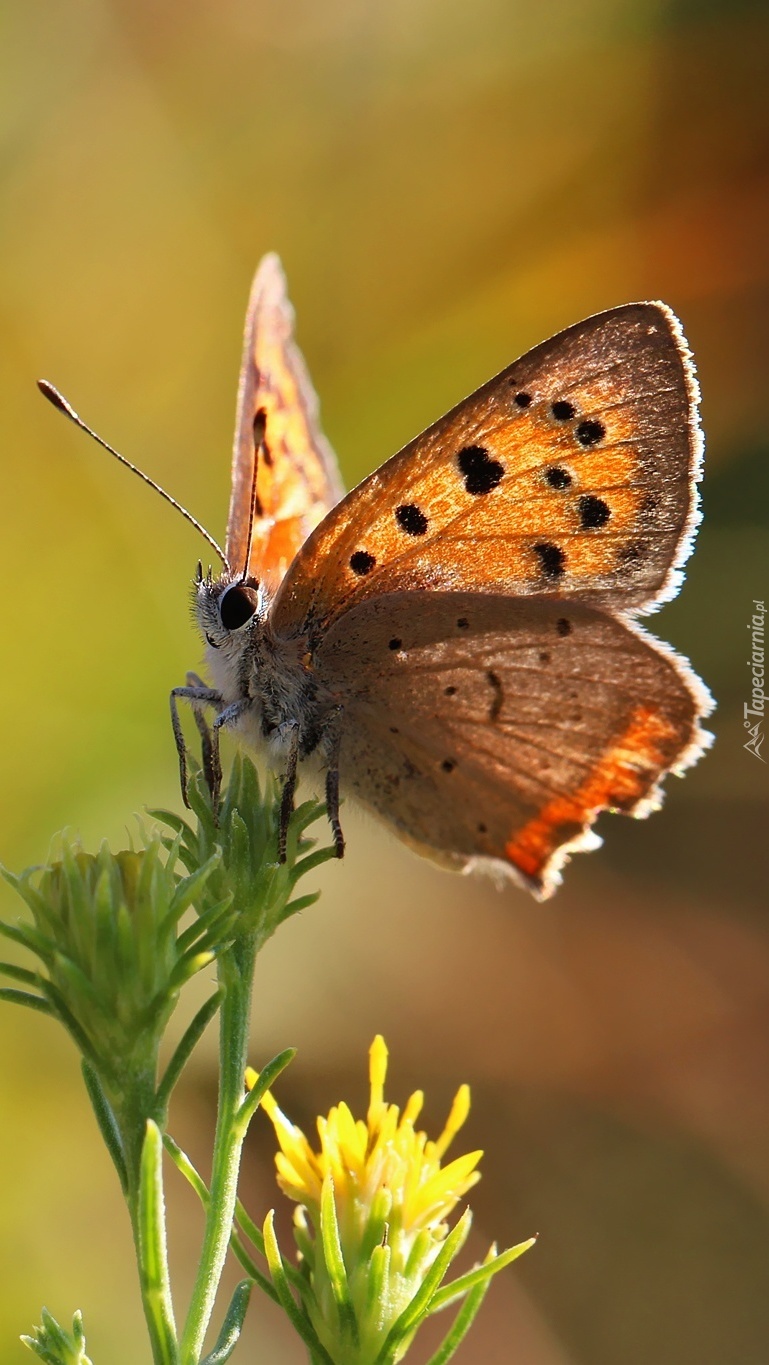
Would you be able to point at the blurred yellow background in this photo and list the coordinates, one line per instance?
(447, 184)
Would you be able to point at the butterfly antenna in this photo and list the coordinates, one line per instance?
(255, 508)
(48, 391)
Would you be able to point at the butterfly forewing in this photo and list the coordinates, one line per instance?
(298, 480)
(490, 727)
(570, 473)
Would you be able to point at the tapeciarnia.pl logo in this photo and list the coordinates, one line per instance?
(753, 711)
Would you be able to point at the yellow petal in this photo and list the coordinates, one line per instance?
(459, 1111)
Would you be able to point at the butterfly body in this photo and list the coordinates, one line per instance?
(263, 680)
(455, 640)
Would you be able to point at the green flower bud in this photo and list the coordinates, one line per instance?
(105, 930)
(257, 889)
(55, 1346)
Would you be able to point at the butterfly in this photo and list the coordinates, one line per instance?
(455, 642)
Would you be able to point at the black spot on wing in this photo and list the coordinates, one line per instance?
(590, 432)
(552, 560)
(411, 519)
(362, 562)
(480, 471)
(593, 512)
(563, 411)
(557, 477)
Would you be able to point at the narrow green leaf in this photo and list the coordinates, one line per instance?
(306, 814)
(267, 1078)
(56, 1334)
(335, 1266)
(204, 926)
(232, 1326)
(461, 1325)
(188, 966)
(184, 1165)
(17, 973)
(249, 1227)
(420, 1304)
(17, 997)
(312, 860)
(170, 818)
(153, 1268)
(288, 1303)
(375, 1233)
(78, 1331)
(106, 1121)
(301, 903)
(190, 886)
(377, 1280)
(457, 1288)
(29, 938)
(256, 1237)
(184, 1049)
(41, 1351)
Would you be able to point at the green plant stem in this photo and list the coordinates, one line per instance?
(236, 969)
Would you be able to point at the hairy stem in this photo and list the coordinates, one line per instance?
(236, 976)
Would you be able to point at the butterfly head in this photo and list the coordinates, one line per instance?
(226, 609)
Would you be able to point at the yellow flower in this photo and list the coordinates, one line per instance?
(372, 1226)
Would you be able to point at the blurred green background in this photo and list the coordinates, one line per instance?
(447, 184)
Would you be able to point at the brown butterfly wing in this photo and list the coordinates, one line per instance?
(298, 479)
(570, 473)
(485, 727)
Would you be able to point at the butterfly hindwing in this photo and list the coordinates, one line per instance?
(570, 474)
(484, 727)
(298, 479)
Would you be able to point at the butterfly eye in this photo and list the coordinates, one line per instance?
(236, 606)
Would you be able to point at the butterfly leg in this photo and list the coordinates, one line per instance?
(289, 788)
(332, 782)
(229, 716)
(212, 770)
(193, 692)
(332, 807)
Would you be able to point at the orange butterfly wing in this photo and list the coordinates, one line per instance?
(570, 473)
(487, 727)
(460, 602)
(298, 478)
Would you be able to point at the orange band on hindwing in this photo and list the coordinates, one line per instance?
(622, 777)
